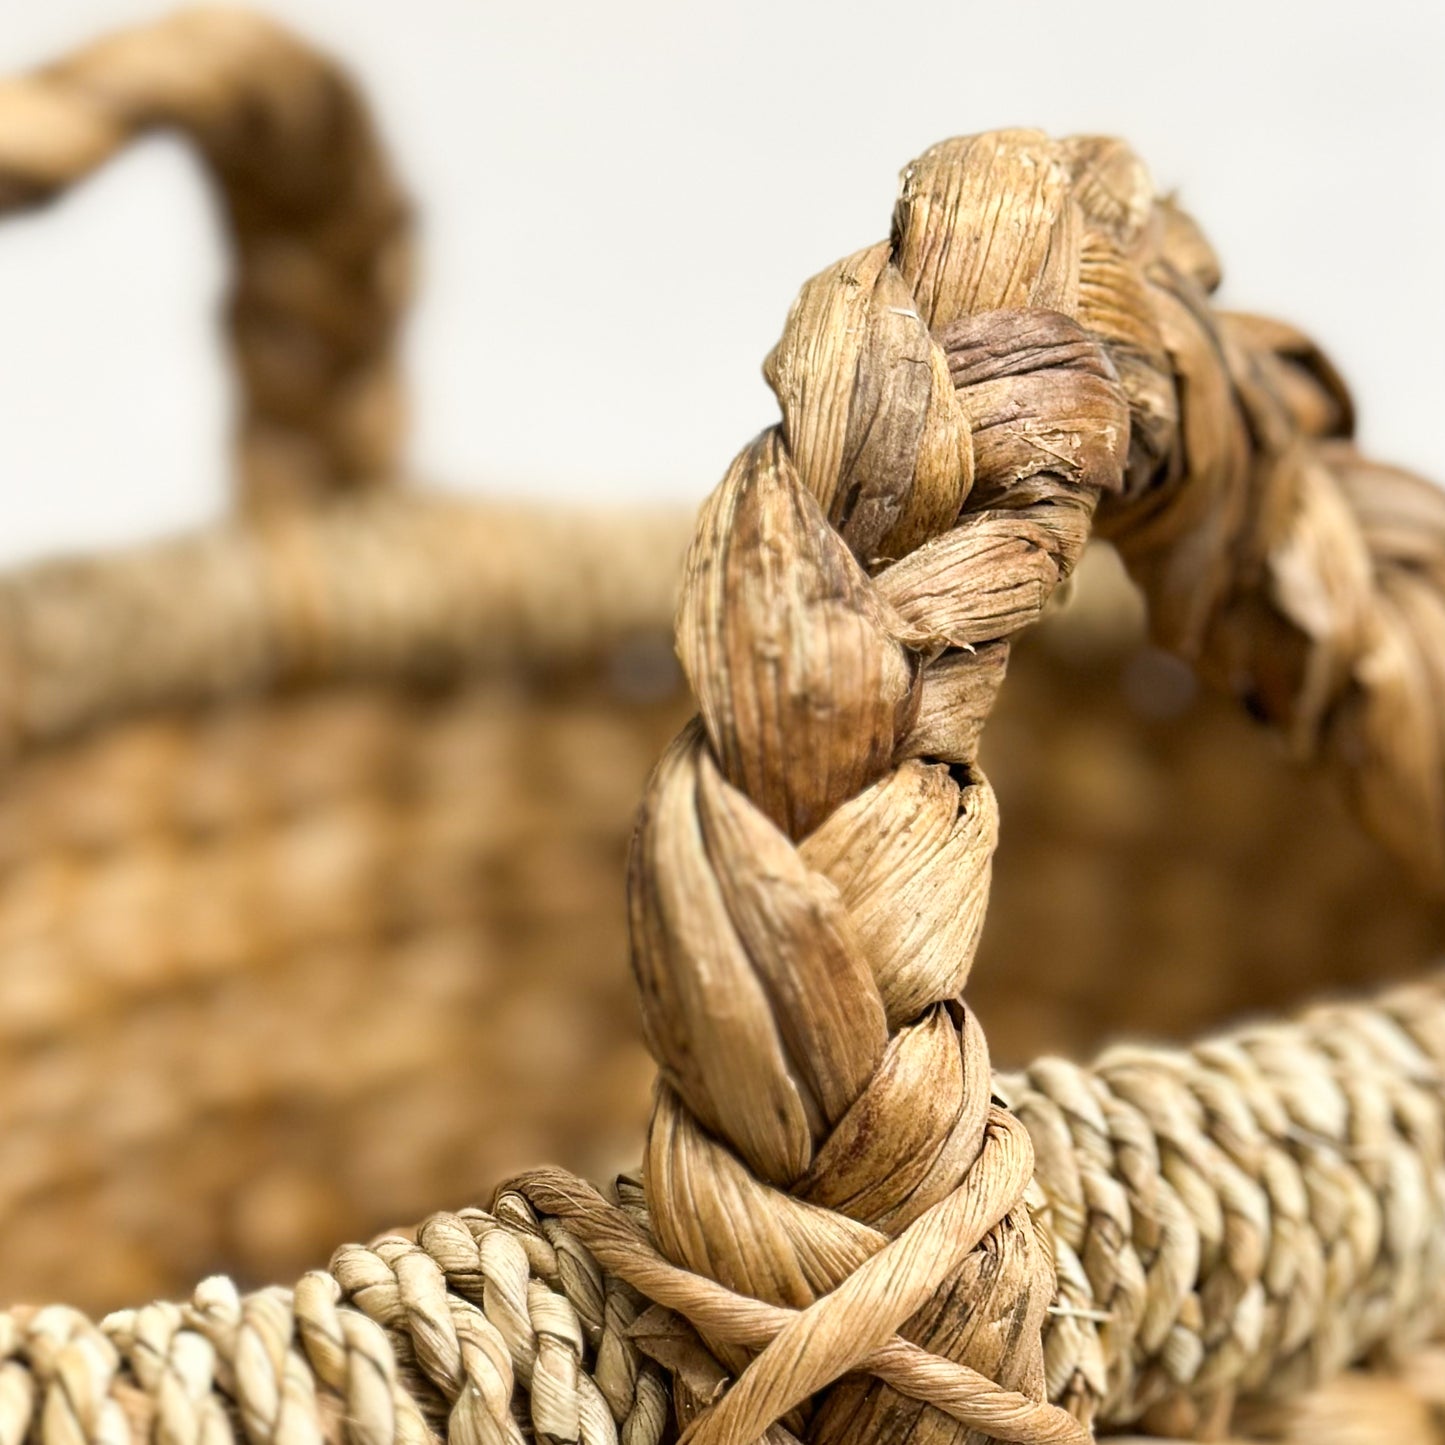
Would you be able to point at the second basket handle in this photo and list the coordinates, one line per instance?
(318, 225)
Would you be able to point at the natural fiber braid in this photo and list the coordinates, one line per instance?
(1296, 574)
(823, 1139)
(812, 861)
(320, 229)
(835, 1187)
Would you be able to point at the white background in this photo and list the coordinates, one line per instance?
(623, 198)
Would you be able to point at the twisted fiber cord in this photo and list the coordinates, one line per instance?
(1246, 1218)
(320, 229)
(531, 1320)
(484, 1322)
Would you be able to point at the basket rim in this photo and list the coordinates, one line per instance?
(396, 587)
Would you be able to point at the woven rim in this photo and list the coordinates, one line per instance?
(393, 587)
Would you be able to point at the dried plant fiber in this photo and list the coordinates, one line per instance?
(304, 787)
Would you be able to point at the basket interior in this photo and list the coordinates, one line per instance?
(283, 973)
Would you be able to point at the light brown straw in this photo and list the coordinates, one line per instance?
(813, 858)
(393, 588)
(849, 1229)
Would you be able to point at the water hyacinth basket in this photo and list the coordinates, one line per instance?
(326, 902)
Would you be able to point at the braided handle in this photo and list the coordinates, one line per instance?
(319, 228)
(812, 862)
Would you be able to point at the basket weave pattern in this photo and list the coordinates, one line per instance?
(277, 814)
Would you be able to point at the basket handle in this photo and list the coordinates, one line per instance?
(811, 868)
(318, 226)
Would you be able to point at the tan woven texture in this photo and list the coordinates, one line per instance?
(290, 805)
(244, 776)
(847, 1227)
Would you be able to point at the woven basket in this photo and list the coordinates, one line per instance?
(313, 833)
(293, 807)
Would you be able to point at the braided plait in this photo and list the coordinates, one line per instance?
(812, 864)
(1297, 575)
